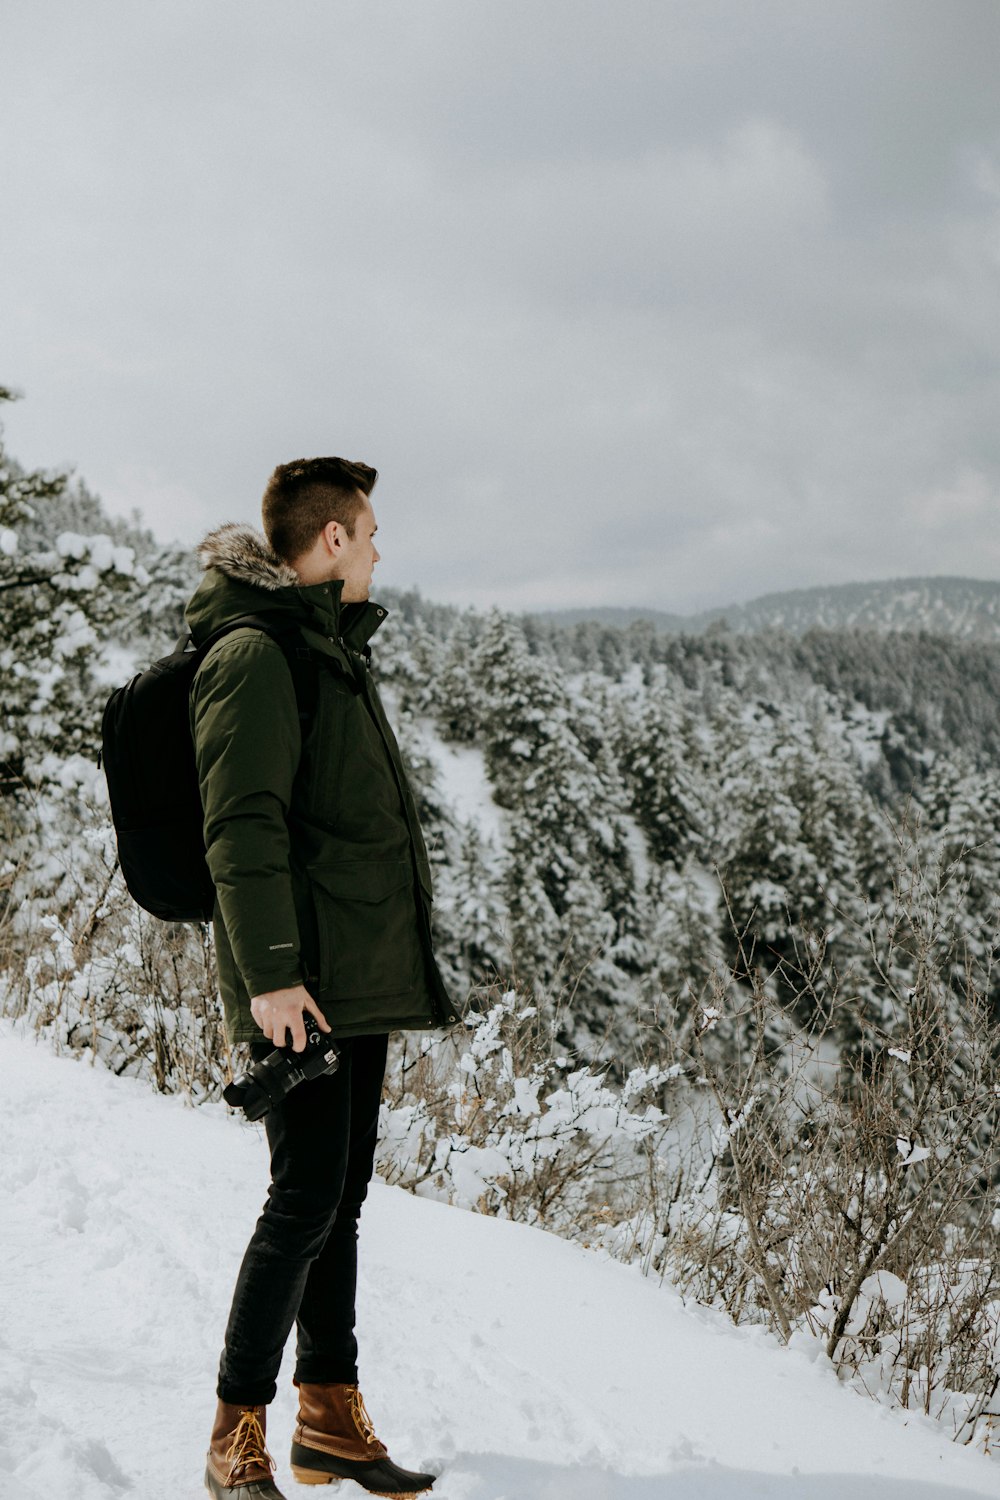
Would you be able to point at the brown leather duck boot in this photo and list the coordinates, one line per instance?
(239, 1464)
(334, 1439)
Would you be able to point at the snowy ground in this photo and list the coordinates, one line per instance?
(462, 769)
(522, 1367)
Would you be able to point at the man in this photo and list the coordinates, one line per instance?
(323, 898)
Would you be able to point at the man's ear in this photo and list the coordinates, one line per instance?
(331, 536)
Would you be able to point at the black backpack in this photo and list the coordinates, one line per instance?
(148, 758)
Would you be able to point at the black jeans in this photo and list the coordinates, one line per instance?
(301, 1263)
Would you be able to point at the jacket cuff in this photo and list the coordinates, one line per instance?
(265, 981)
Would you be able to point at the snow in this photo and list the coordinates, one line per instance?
(520, 1366)
(910, 1151)
(461, 770)
(102, 552)
(638, 848)
(118, 663)
(75, 633)
(859, 727)
(464, 781)
(71, 544)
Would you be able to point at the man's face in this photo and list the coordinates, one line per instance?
(357, 555)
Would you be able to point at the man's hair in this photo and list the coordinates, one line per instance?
(301, 497)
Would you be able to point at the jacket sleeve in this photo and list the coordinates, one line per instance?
(245, 724)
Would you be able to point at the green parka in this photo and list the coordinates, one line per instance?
(320, 869)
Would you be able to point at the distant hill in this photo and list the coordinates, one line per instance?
(968, 608)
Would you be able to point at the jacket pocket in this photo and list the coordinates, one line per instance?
(366, 917)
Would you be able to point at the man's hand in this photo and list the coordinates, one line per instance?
(280, 1011)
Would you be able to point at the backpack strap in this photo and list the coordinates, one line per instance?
(301, 660)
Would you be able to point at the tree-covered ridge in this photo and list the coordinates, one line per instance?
(968, 608)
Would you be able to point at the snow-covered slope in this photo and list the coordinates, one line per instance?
(523, 1367)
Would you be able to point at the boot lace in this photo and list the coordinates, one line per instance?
(247, 1446)
(361, 1418)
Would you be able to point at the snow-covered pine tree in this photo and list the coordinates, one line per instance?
(683, 942)
(458, 694)
(961, 842)
(471, 922)
(570, 883)
(662, 768)
(62, 596)
(790, 865)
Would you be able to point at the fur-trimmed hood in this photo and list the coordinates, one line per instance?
(244, 554)
(244, 577)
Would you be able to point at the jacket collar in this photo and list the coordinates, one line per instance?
(353, 623)
(242, 554)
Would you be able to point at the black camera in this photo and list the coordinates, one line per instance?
(267, 1082)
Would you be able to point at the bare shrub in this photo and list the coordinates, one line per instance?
(504, 1120)
(848, 1195)
(85, 967)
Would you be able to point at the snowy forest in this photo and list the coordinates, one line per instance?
(721, 907)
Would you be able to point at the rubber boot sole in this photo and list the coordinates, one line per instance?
(309, 1476)
(324, 1468)
(257, 1489)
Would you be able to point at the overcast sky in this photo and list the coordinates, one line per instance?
(642, 302)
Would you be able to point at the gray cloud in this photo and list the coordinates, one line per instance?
(659, 303)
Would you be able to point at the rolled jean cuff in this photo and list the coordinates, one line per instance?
(247, 1395)
(325, 1373)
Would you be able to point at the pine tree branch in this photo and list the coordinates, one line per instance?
(25, 582)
